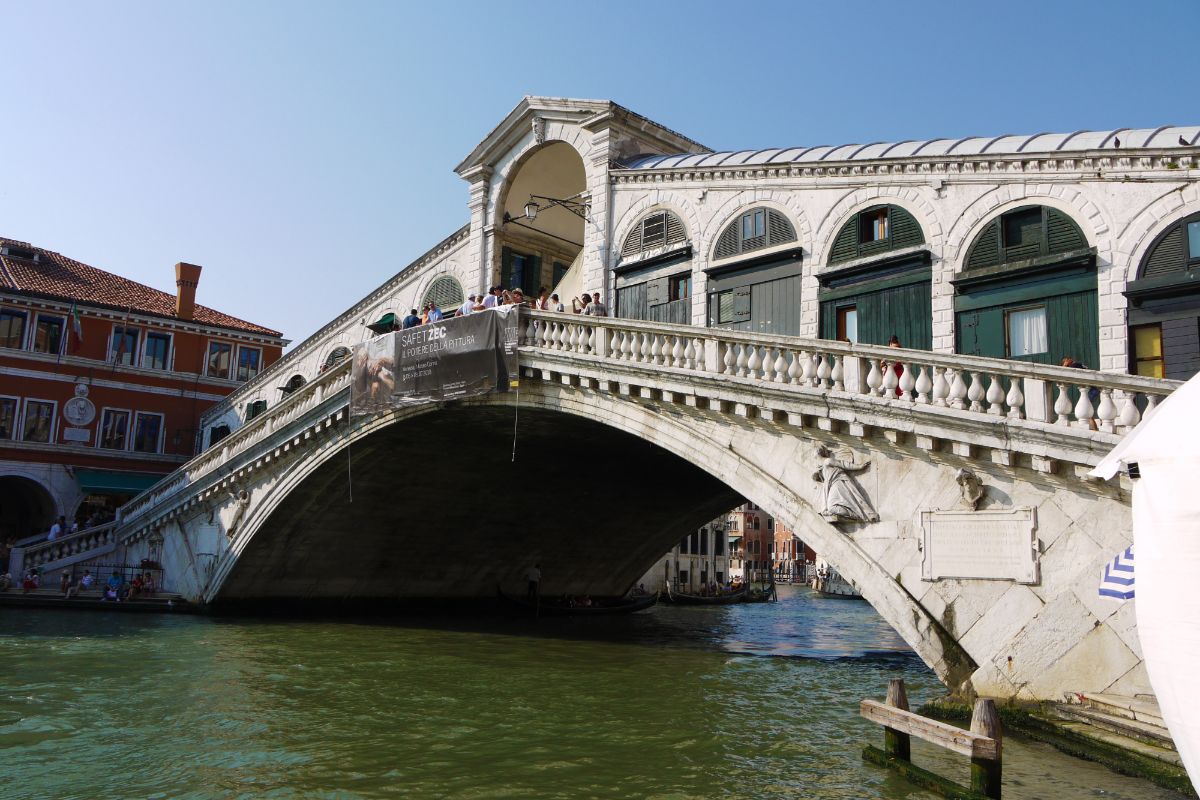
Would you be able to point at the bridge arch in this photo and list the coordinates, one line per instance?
(694, 450)
(27, 506)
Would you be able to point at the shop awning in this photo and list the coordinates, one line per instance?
(100, 481)
(385, 323)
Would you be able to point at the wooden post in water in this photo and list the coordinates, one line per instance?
(985, 772)
(895, 743)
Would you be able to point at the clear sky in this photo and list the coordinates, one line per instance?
(303, 152)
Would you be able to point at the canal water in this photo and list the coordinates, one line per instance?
(752, 701)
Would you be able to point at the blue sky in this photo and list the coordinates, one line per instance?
(303, 152)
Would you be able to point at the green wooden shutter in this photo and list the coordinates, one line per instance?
(506, 267)
(741, 304)
(845, 244)
(779, 230)
(985, 252)
(730, 241)
(633, 242)
(903, 228)
(1062, 234)
(1024, 233)
(675, 231)
(531, 280)
(1167, 256)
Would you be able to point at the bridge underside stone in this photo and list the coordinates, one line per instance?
(441, 510)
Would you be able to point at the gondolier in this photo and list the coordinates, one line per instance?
(534, 576)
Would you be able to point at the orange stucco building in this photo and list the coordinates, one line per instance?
(103, 381)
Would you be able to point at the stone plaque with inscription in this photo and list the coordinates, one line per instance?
(988, 545)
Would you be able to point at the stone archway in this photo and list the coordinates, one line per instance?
(26, 507)
(680, 459)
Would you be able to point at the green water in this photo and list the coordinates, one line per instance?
(755, 701)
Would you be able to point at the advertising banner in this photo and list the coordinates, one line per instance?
(447, 360)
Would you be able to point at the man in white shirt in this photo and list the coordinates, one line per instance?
(56, 529)
(466, 308)
(491, 300)
(533, 576)
(597, 309)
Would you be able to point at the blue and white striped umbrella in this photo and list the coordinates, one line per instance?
(1116, 581)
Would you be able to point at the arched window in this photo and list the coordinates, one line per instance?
(1024, 234)
(659, 229)
(1028, 290)
(446, 292)
(875, 230)
(338, 355)
(754, 229)
(1164, 305)
(294, 383)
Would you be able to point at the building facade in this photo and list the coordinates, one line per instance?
(700, 558)
(103, 382)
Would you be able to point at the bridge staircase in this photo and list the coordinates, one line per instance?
(1133, 723)
(74, 551)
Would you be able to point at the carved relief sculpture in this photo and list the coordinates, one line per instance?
(241, 500)
(971, 486)
(844, 499)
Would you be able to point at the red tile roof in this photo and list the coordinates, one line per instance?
(54, 275)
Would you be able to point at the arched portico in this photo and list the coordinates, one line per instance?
(26, 507)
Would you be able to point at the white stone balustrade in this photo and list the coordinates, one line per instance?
(48, 552)
(1012, 390)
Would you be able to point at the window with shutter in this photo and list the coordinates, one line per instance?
(873, 231)
(658, 229)
(446, 292)
(1176, 251)
(1023, 234)
(755, 229)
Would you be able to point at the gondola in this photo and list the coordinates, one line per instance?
(555, 607)
(683, 599)
(766, 594)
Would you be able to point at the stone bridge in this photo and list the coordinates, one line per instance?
(624, 433)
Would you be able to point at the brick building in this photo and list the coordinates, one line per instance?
(103, 381)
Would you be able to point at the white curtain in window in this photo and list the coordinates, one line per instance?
(1027, 332)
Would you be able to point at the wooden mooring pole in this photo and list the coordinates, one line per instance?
(896, 743)
(985, 772)
(982, 744)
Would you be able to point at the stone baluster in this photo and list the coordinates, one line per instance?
(1107, 411)
(729, 359)
(659, 343)
(647, 348)
(677, 353)
(838, 374)
(589, 344)
(1129, 412)
(689, 354)
(564, 337)
(794, 369)
(907, 382)
(975, 393)
(1015, 399)
(941, 387)
(923, 384)
(958, 389)
(808, 371)
(741, 361)
(781, 366)
(995, 396)
(1084, 410)
(628, 345)
(753, 362)
(546, 335)
(823, 371)
(614, 344)
(1062, 406)
(1151, 405)
(890, 381)
(874, 378)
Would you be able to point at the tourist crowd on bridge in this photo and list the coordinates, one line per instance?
(499, 297)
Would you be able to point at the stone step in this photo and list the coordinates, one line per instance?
(1147, 733)
(1090, 731)
(1143, 709)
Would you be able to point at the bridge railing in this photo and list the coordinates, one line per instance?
(292, 407)
(1015, 390)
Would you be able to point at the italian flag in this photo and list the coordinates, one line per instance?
(76, 325)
